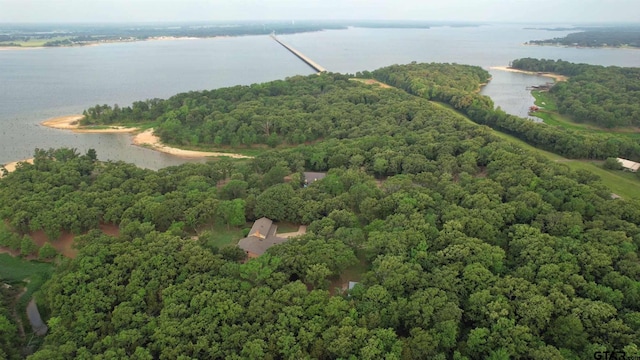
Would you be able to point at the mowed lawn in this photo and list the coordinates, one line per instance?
(624, 184)
(219, 235)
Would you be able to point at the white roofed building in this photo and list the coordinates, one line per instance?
(629, 165)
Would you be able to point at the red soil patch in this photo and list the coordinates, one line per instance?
(110, 229)
(64, 244)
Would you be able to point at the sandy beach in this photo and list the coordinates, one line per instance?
(556, 77)
(71, 122)
(147, 139)
(12, 165)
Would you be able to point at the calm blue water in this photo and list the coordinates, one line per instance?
(43, 83)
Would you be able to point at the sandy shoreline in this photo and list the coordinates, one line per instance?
(12, 165)
(147, 139)
(556, 77)
(71, 122)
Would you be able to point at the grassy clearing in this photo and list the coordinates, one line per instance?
(621, 183)
(548, 154)
(219, 236)
(32, 274)
(549, 115)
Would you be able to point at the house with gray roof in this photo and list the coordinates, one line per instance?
(261, 237)
(311, 177)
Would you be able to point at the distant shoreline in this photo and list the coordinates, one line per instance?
(97, 43)
(556, 77)
(623, 47)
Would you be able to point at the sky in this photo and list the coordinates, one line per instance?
(533, 11)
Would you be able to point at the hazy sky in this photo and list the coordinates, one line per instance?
(535, 11)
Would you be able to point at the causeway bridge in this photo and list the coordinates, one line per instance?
(315, 66)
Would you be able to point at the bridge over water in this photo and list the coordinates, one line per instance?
(315, 66)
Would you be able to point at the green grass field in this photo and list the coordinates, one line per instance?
(220, 236)
(621, 183)
(549, 115)
(18, 271)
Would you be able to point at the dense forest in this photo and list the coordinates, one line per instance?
(9, 340)
(304, 109)
(594, 37)
(438, 82)
(473, 248)
(605, 96)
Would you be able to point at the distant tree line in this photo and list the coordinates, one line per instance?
(611, 37)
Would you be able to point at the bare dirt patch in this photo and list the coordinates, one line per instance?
(373, 82)
(63, 244)
(301, 231)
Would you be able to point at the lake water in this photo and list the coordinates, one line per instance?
(43, 83)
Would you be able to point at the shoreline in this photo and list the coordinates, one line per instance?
(584, 47)
(142, 138)
(148, 140)
(554, 76)
(71, 122)
(98, 42)
(11, 167)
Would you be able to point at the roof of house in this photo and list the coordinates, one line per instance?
(628, 164)
(261, 237)
(257, 246)
(310, 177)
(262, 228)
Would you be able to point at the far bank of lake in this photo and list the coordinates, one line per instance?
(46, 83)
